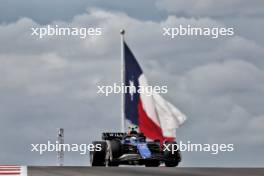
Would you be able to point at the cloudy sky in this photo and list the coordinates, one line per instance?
(52, 82)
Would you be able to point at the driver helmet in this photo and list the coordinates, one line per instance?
(132, 129)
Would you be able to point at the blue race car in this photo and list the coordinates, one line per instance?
(132, 149)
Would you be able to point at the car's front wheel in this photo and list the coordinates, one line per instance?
(172, 157)
(113, 152)
(152, 163)
(172, 163)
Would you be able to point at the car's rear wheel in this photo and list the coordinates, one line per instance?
(97, 158)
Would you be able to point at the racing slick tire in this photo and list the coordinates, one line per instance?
(97, 158)
(152, 163)
(114, 152)
(172, 163)
(172, 159)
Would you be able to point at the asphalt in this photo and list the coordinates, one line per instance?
(141, 171)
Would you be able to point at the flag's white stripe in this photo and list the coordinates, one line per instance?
(170, 117)
(147, 101)
(23, 171)
(160, 111)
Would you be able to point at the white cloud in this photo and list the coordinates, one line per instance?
(230, 76)
(56, 78)
(212, 8)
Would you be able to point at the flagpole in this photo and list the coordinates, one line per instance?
(122, 33)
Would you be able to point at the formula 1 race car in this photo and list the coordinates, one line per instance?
(132, 149)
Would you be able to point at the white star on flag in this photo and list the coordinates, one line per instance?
(132, 89)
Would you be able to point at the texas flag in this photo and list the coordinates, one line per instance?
(155, 117)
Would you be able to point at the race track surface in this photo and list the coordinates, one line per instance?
(142, 171)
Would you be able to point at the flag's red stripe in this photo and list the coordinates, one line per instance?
(148, 127)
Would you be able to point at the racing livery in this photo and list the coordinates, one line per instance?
(132, 149)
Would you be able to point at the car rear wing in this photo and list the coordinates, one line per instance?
(110, 135)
